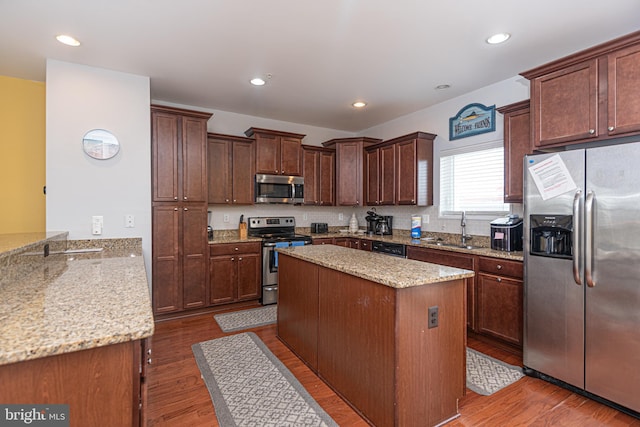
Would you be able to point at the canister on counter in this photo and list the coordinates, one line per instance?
(416, 226)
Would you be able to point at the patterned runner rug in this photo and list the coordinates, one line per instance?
(249, 386)
(246, 319)
(486, 375)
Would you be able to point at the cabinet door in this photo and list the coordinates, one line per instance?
(341, 241)
(244, 161)
(372, 177)
(195, 256)
(500, 307)
(310, 172)
(194, 159)
(387, 175)
(290, 156)
(623, 89)
(353, 243)
(407, 173)
(349, 174)
(249, 276)
(326, 176)
(517, 142)
(565, 105)
(323, 241)
(164, 145)
(267, 154)
(222, 279)
(219, 165)
(167, 280)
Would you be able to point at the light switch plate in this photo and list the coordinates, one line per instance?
(97, 222)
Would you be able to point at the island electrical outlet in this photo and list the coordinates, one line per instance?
(433, 317)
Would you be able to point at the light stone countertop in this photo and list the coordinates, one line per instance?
(69, 302)
(380, 268)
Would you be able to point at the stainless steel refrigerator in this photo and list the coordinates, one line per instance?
(582, 271)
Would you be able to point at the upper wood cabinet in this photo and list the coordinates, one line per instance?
(231, 164)
(591, 95)
(277, 153)
(380, 175)
(318, 168)
(517, 143)
(179, 154)
(414, 170)
(349, 168)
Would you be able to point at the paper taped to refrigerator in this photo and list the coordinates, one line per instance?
(552, 178)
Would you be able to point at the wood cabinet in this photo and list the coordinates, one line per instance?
(179, 210)
(500, 299)
(349, 168)
(322, 241)
(179, 246)
(102, 385)
(277, 152)
(347, 242)
(231, 169)
(380, 175)
(318, 166)
(378, 356)
(590, 95)
(517, 144)
(179, 160)
(452, 259)
(234, 272)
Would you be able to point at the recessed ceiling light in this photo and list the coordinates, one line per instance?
(257, 81)
(498, 38)
(359, 104)
(68, 40)
(442, 87)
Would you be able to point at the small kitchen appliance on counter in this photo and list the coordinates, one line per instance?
(379, 224)
(506, 233)
(319, 227)
(276, 232)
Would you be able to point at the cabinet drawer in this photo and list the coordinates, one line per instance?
(501, 267)
(442, 257)
(234, 248)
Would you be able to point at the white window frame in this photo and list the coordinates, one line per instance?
(465, 150)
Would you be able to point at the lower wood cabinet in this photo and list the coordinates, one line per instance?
(500, 299)
(103, 386)
(347, 242)
(234, 272)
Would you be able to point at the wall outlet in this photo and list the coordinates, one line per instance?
(433, 317)
(305, 217)
(340, 217)
(425, 219)
(129, 221)
(225, 218)
(97, 223)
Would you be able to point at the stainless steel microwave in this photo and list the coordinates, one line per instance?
(279, 189)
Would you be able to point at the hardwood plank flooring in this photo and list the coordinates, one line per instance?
(177, 396)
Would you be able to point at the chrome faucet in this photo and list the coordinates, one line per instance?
(463, 226)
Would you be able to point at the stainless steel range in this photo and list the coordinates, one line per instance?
(276, 232)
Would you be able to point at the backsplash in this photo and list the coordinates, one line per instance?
(305, 215)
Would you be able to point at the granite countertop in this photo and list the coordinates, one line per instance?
(380, 268)
(405, 240)
(72, 301)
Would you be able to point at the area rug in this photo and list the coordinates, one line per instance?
(249, 386)
(486, 375)
(245, 319)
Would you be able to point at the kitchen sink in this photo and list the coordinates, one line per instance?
(456, 245)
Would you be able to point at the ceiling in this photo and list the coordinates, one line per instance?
(322, 55)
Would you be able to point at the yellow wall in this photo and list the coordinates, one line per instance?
(22, 156)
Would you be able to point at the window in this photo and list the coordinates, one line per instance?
(472, 180)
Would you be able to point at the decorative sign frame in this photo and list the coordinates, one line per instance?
(472, 119)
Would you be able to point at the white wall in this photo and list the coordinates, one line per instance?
(81, 98)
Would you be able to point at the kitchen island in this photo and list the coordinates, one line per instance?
(73, 326)
(362, 321)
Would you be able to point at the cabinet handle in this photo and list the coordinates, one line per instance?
(239, 258)
(226, 200)
(234, 200)
(236, 249)
(233, 258)
(499, 279)
(149, 361)
(186, 209)
(175, 198)
(185, 197)
(592, 131)
(610, 128)
(175, 209)
(499, 267)
(149, 351)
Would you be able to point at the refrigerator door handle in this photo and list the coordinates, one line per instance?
(588, 247)
(576, 237)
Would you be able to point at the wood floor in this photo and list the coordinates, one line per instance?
(178, 397)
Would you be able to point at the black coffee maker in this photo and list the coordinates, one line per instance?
(379, 224)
